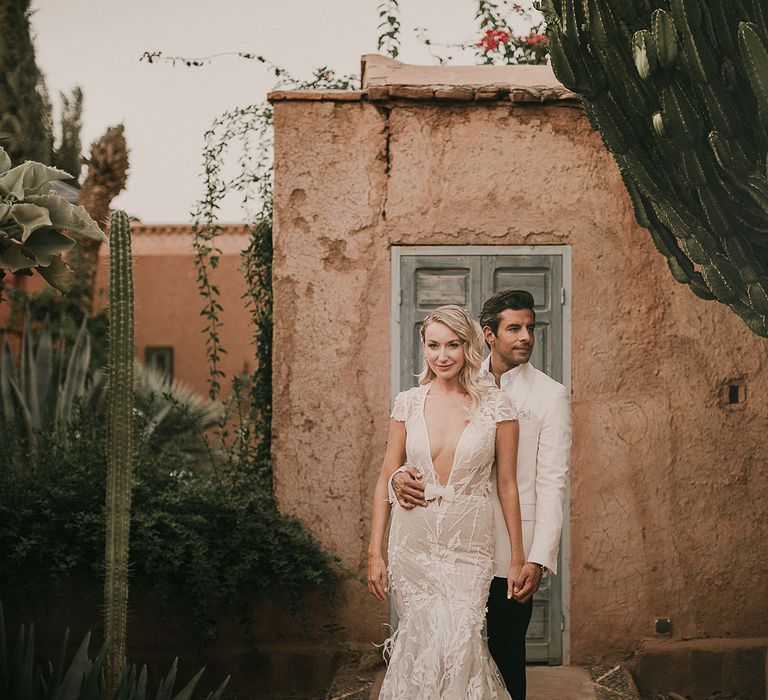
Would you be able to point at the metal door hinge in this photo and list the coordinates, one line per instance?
(562, 622)
(562, 295)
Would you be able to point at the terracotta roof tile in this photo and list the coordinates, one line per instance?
(176, 239)
(142, 229)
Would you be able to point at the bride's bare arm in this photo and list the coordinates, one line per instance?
(393, 458)
(507, 435)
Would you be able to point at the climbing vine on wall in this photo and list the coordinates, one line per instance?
(246, 131)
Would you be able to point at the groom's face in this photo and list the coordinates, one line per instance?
(513, 341)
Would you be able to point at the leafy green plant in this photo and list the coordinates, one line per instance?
(199, 534)
(175, 410)
(80, 678)
(677, 90)
(200, 537)
(33, 221)
(389, 27)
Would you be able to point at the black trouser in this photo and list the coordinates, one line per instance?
(507, 625)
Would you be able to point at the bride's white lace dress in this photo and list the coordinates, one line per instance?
(440, 563)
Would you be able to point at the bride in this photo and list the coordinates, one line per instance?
(452, 430)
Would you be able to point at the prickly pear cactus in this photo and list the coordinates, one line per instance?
(120, 453)
(678, 90)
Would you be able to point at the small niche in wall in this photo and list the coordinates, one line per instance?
(734, 393)
(663, 625)
(161, 358)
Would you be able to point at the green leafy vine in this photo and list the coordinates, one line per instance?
(389, 27)
(250, 130)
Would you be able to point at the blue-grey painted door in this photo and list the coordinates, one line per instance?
(429, 281)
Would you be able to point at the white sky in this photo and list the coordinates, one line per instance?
(97, 44)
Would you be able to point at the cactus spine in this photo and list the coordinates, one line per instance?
(119, 452)
(678, 90)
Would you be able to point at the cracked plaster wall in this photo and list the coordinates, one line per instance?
(668, 485)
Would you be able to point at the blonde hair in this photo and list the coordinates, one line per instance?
(457, 319)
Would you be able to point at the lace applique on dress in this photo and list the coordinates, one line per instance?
(500, 406)
(404, 402)
(441, 564)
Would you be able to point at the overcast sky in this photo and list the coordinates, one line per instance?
(97, 44)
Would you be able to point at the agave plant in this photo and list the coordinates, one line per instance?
(40, 394)
(33, 221)
(80, 679)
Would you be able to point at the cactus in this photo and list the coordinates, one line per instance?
(119, 447)
(678, 90)
(32, 222)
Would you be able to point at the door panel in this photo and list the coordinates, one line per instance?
(436, 287)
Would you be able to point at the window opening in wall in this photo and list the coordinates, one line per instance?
(734, 392)
(161, 358)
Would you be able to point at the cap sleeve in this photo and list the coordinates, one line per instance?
(504, 408)
(400, 409)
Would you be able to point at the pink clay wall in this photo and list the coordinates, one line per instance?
(668, 484)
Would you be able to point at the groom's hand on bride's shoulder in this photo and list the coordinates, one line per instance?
(408, 488)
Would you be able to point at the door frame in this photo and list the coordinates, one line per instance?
(565, 251)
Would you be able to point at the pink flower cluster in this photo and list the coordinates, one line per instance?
(492, 38)
(536, 39)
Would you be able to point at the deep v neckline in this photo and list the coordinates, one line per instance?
(429, 440)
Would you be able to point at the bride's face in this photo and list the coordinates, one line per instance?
(443, 350)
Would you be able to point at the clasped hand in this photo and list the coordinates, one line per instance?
(523, 580)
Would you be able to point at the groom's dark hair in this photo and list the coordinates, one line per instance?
(501, 301)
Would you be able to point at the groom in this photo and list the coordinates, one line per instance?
(508, 321)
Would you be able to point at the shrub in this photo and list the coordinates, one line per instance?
(205, 535)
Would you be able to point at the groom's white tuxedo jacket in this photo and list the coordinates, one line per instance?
(542, 464)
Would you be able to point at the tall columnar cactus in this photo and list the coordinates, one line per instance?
(119, 454)
(678, 90)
